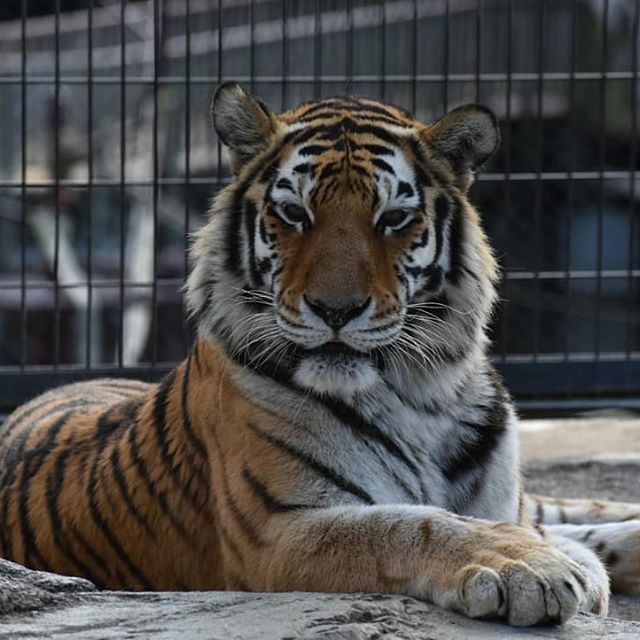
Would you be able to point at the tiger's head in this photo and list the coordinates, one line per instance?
(345, 248)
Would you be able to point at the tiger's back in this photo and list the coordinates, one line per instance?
(85, 488)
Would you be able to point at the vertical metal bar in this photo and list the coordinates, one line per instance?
(478, 47)
(23, 188)
(317, 52)
(123, 160)
(383, 50)
(89, 185)
(283, 87)
(347, 88)
(601, 158)
(252, 45)
(633, 168)
(220, 45)
(187, 154)
(538, 197)
(572, 135)
(56, 191)
(445, 62)
(154, 289)
(504, 324)
(414, 59)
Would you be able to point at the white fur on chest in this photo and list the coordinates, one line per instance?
(424, 437)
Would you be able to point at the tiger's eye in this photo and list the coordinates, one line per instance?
(394, 219)
(294, 214)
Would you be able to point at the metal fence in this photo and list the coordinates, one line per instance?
(108, 161)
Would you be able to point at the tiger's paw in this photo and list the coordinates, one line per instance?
(526, 581)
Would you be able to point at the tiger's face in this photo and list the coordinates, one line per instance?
(343, 231)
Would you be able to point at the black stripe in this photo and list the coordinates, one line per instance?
(270, 502)
(195, 440)
(433, 172)
(366, 114)
(8, 478)
(121, 483)
(239, 516)
(55, 482)
(405, 189)
(250, 214)
(382, 164)
(93, 554)
(475, 453)
(377, 149)
(326, 472)
(303, 167)
(31, 464)
(330, 169)
(313, 150)
(456, 245)
(371, 129)
(349, 104)
(98, 517)
(160, 424)
(350, 417)
(199, 467)
(16, 455)
(13, 422)
(158, 496)
(441, 207)
(285, 183)
(228, 540)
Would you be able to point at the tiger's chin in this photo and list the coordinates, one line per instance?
(336, 374)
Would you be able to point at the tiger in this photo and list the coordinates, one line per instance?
(337, 425)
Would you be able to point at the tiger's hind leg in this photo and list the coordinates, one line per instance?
(610, 529)
(545, 510)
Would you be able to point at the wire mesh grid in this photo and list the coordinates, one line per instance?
(108, 162)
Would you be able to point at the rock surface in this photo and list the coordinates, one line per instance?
(40, 605)
(33, 608)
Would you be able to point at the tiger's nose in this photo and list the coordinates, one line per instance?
(337, 314)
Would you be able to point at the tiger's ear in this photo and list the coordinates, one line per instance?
(244, 124)
(465, 137)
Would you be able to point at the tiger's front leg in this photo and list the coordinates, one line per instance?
(476, 567)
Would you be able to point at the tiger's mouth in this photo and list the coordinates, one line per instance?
(335, 348)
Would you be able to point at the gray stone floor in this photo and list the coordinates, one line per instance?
(36, 611)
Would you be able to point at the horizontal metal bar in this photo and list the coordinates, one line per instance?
(107, 182)
(205, 180)
(559, 175)
(178, 282)
(572, 380)
(572, 275)
(46, 284)
(575, 357)
(304, 79)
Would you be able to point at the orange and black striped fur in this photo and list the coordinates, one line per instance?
(337, 425)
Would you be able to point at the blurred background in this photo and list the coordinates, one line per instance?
(108, 161)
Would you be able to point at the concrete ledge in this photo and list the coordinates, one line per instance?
(38, 605)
